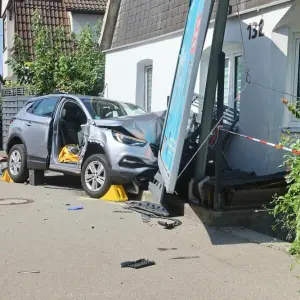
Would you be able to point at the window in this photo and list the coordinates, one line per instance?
(295, 87)
(144, 74)
(44, 107)
(148, 88)
(290, 122)
(233, 75)
(102, 108)
(226, 83)
(238, 73)
(297, 73)
(132, 109)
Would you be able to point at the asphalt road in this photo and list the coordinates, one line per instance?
(77, 254)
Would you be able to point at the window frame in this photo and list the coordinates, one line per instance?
(290, 123)
(296, 74)
(235, 95)
(146, 96)
(33, 105)
(232, 77)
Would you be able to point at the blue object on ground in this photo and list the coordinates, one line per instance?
(75, 208)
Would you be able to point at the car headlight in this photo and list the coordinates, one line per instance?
(128, 140)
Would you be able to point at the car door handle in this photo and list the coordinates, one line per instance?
(28, 124)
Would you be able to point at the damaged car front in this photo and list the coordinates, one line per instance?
(128, 141)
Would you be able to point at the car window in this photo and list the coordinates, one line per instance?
(132, 109)
(32, 105)
(45, 107)
(102, 108)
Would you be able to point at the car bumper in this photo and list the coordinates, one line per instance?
(130, 163)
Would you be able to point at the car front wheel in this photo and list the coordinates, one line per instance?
(95, 176)
(17, 168)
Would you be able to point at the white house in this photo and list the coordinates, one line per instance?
(17, 19)
(142, 40)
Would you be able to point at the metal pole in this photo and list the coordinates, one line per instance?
(211, 84)
(218, 150)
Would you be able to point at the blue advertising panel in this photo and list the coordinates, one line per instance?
(183, 90)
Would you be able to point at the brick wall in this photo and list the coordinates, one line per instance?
(140, 20)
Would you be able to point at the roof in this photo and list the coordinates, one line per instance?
(86, 5)
(135, 21)
(54, 13)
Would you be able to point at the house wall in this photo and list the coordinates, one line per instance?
(261, 111)
(79, 21)
(121, 74)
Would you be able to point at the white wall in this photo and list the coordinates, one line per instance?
(121, 71)
(79, 21)
(8, 35)
(261, 114)
(261, 111)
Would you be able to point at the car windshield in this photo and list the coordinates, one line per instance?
(100, 108)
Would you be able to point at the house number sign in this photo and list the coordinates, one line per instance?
(256, 30)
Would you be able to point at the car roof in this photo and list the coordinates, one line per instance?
(80, 97)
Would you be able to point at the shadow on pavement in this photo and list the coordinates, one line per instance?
(59, 181)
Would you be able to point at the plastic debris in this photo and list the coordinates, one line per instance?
(166, 225)
(166, 249)
(138, 264)
(29, 272)
(185, 257)
(75, 208)
(150, 210)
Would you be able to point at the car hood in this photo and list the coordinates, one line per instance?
(147, 127)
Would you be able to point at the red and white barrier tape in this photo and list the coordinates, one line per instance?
(277, 146)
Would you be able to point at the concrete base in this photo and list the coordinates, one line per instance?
(257, 220)
(36, 177)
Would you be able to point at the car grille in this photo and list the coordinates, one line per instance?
(154, 149)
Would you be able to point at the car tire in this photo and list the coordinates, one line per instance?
(17, 164)
(95, 176)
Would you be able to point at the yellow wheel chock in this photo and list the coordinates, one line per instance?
(5, 177)
(115, 193)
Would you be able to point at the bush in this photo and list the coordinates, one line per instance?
(287, 207)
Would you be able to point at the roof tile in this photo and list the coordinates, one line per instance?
(54, 13)
(24, 12)
(86, 5)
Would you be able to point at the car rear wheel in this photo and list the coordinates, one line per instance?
(17, 165)
(95, 176)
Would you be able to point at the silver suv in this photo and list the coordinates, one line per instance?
(117, 142)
